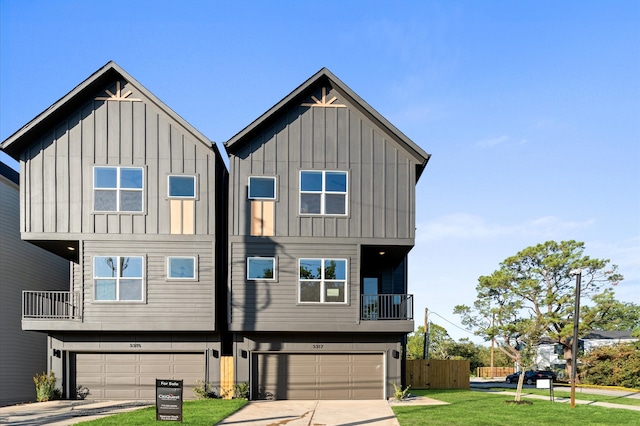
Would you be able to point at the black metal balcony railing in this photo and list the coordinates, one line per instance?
(51, 305)
(386, 307)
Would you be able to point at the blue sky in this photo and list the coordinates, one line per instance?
(530, 109)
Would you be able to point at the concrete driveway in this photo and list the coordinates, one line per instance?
(317, 413)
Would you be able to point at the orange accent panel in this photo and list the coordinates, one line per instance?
(188, 216)
(268, 218)
(256, 218)
(176, 216)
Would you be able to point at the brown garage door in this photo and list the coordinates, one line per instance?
(133, 376)
(318, 376)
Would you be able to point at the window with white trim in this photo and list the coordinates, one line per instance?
(182, 268)
(118, 278)
(117, 189)
(261, 268)
(181, 186)
(323, 192)
(262, 188)
(322, 281)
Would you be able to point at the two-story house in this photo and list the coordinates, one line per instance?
(22, 354)
(293, 266)
(117, 183)
(321, 220)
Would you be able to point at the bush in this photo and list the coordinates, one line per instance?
(616, 365)
(46, 387)
(205, 390)
(399, 393)
(241, 391)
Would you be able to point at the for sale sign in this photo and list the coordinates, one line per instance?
(169, 400)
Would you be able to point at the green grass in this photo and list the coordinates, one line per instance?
(579, 395)
(483, 408)
(200, 412)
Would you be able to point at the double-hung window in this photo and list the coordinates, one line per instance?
(323, 192)
(322, 281)
(117, 189)
(261, 268)
(118, 278)
(181, 268)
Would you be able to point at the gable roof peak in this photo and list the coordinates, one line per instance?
(110, 71)
(243, 136)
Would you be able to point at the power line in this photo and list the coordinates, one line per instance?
(455, 325)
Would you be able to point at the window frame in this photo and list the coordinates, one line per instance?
(119, 278)
(275, 268)
(182, 197)
(118, 189)
(323, 193)
(323, 282)
(275, 188)
(195, 268)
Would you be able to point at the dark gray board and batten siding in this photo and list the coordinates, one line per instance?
(57, 170)
(381, 176)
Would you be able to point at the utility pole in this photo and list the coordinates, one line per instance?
(574, 348)
(493, 340)
(427, 334)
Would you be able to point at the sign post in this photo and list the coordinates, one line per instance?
(546, 384)
(169, 400)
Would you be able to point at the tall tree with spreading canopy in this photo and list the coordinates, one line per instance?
(532, 295)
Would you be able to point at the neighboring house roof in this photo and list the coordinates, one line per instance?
(24, 137)
(9, 173)
(613, 335)
(596, 335)
(300, 94)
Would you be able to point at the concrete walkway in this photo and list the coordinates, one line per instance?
(304, 413)
(65, 412)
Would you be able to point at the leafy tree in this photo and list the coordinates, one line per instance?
(532, 295)
(439, 341)
(609, 314)
(617, 365)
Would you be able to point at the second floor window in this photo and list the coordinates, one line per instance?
(117, 189)
(181, 268)
(322, 281)
(261, 268)
(118, 278)
(323, 192)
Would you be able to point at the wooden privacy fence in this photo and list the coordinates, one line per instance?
(497, 371)
(438, 374)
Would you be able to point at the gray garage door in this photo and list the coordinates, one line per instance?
(133, 376)
(318, 376)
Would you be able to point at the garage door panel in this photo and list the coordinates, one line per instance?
(320, 376)
(132, 376)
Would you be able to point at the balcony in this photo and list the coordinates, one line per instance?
(383, 307)
(51, 305)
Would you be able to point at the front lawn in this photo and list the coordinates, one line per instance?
(482, 408)
(199, 412)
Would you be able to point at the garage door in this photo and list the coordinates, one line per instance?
(133, 376)
(318, 376)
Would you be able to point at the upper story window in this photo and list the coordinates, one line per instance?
(323, 192)
(181, 268)
(117, 189)
(180, 186)
(322, 281)
(262, 188)
(118, 278)
(261, 268)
